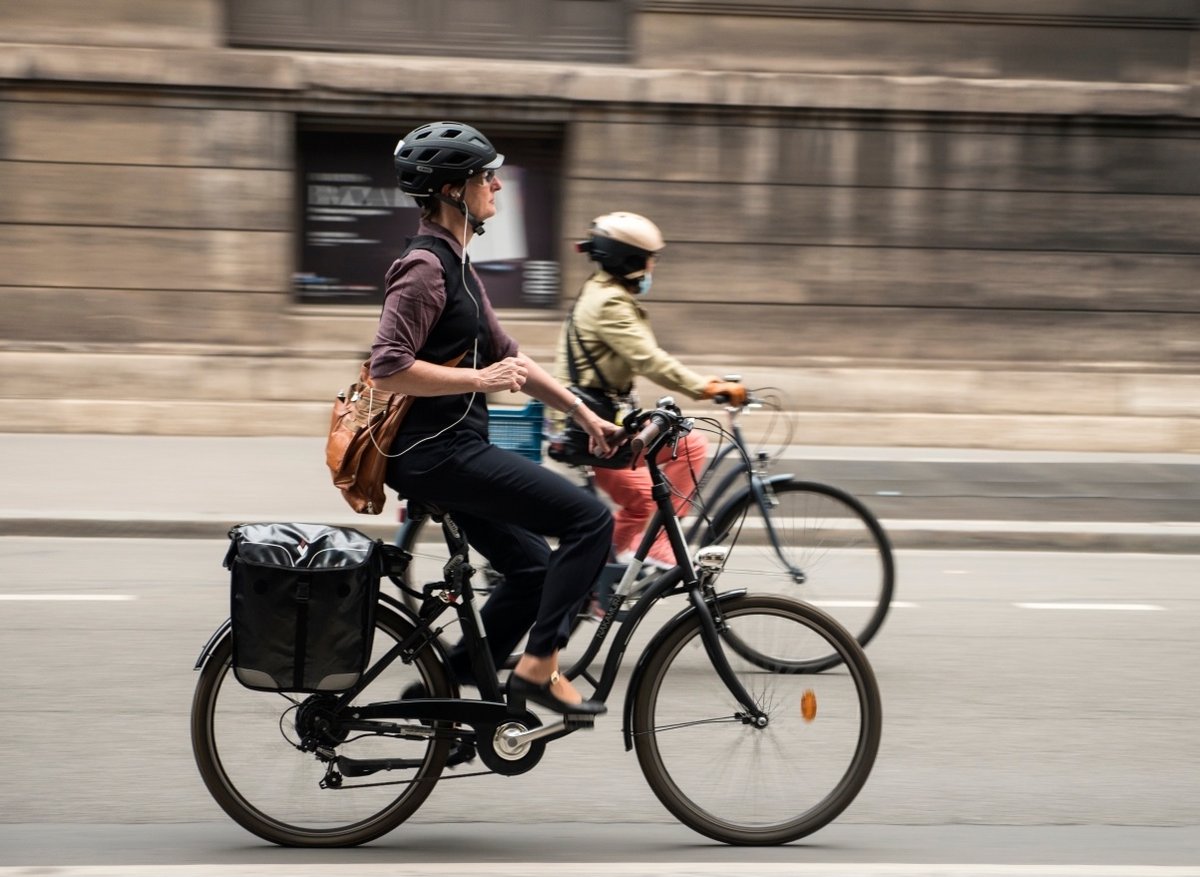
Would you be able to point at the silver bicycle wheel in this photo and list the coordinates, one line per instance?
(828, 550)
(724, 775)
(246, 747)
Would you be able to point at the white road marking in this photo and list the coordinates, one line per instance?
(595, 869)
(1103, 607)
(94, 598)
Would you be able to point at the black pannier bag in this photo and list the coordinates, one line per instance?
(303, 605)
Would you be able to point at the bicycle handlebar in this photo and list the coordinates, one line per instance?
(653, 427)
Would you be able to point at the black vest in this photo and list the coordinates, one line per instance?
(454, 332)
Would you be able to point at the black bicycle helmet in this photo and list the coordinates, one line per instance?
(442, 152)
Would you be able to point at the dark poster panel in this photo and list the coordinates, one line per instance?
(355, 222)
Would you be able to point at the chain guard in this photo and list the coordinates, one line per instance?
(506, 763)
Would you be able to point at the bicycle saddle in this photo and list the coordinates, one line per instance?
(419, 508)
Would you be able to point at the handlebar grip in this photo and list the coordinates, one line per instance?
(648, 434)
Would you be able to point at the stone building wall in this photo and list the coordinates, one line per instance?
(928, 220)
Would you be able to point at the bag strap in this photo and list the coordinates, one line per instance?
(443, 252)
(445, 255)
(572, 368)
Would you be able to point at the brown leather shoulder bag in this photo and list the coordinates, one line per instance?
(362, 428)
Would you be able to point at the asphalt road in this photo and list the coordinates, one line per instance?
(1040, 709)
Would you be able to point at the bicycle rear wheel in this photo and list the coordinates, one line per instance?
(831, 552)
(245, 741)
(730, 780)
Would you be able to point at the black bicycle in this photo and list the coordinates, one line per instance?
(786, 535)
(742, 753)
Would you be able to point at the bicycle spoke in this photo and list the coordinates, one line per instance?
(249, 748)
(830, 552)
(690, 724)
(734, 779)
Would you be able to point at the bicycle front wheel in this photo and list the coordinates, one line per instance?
(246, 746)
(812, 542)
(721, 774)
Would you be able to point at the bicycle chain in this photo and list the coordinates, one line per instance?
(461, 776)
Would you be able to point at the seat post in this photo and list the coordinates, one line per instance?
(458, 572)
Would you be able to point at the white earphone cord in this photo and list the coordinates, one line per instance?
(474, 364)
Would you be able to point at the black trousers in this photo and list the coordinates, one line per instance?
(506, 505)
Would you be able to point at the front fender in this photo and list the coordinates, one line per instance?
(635, 680)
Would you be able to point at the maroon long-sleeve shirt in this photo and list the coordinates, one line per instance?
(415, 297)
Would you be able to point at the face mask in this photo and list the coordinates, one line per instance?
(645, 283)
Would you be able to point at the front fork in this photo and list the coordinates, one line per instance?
(709, 563)
(764, 495)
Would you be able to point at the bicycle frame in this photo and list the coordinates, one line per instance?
(681, 579)
(759, 486)
(490, 710)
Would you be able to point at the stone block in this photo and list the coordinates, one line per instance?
(170, 417)
(926, 335)
(1160, 395)
(1013, 432)
(146, 258)
(773, 214)
(146, 196)
(78, 317)
(178, 23)
(184, 376)
(910, 39)
(103, 131)
(714, 272)
(806, 148)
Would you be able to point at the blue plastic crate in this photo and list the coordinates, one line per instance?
(518, 429)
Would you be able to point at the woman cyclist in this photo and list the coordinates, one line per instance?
(439, 341)
(606, 342)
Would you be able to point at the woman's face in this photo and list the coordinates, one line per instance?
(480, 194)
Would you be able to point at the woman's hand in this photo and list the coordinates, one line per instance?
(605, 437)
(507, 374)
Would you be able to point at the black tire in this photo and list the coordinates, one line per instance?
(835, 555)
(270, 787)
(729, 779)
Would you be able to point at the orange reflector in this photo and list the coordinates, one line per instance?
(808, 705)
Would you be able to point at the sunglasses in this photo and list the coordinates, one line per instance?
(487, 177)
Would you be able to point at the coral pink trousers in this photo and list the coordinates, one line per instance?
(630, 489)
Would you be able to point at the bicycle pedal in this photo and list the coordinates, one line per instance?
(575, 723)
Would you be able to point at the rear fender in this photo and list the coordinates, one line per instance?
(212, 643)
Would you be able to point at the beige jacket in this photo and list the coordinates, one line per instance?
(616, 332)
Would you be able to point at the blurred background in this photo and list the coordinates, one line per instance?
(969, 223)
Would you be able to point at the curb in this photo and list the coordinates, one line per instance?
(1099, 537)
